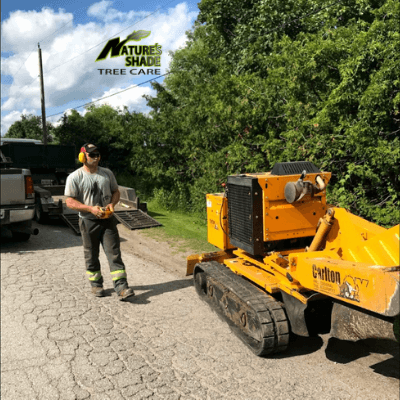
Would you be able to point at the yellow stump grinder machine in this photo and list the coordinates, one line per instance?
(291, 262)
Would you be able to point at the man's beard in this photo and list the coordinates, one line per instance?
(92, 163)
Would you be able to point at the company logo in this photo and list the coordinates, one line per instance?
(140, 56)
(350, 289)
(328, 280)
(325, 274)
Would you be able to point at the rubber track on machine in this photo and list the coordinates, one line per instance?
(269, 311)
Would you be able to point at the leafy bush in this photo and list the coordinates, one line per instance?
(263, 82)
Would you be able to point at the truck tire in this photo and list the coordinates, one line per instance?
(40, 216)
(20, 236)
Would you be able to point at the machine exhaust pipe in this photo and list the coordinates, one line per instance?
(28, 231)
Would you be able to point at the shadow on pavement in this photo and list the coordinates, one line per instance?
(53, 235)
(299, 346)
(344, 352)
(154, 290)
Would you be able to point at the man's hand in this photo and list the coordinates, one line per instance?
(110, 207)
(97, 211)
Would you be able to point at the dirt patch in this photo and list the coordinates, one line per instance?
(161, 252)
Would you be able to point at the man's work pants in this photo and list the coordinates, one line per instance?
(102, 231)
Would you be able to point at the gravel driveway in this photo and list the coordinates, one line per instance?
(59, 342)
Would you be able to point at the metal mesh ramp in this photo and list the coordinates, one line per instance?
(132, 219)
(136, 219)
(72, 220)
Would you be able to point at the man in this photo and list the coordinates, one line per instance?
(91, 190)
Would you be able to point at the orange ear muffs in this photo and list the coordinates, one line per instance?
(82, 155)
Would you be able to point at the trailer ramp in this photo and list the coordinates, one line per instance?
(136, 219)
(132, 219)
(72, 220)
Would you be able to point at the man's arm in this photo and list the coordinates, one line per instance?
(77, 205)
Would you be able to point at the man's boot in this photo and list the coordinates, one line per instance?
(98, 291)
(125, 293)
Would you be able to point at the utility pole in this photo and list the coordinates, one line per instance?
(42, 96)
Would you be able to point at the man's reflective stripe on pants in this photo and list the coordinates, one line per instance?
(119, 274)
(94, 276)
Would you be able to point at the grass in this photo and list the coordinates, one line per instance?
(184, 232)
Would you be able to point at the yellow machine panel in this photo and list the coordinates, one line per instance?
(373, 287)
(299, 219)
(362, 241)
(217, 223)
(267, 208)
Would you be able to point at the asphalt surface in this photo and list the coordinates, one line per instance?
(60, 342)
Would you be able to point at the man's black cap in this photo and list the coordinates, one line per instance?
(90, 148)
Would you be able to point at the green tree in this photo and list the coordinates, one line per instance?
(113, 131)
(263, 82)
(29, 127)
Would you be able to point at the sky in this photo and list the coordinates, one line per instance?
(72, 34)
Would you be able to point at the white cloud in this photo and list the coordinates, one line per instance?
(99, 9)
(104, 12)
(24, 29)
(56, 120)
(79, 80)
(132, 98)
(10, 118)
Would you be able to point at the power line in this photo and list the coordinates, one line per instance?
(41, 41)
(106, 97)
(59, 28)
